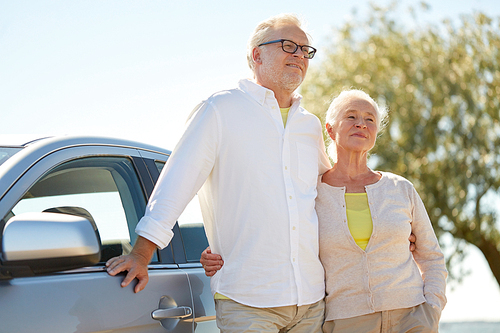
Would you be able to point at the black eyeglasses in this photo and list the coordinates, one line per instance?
(290, 47)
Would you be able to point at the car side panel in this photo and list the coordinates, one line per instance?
(89, 302)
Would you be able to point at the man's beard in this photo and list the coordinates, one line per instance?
(286, 81)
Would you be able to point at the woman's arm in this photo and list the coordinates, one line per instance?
(428, 255)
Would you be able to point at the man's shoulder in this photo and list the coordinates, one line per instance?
(224, 94)
(307, 113)
(311, 117)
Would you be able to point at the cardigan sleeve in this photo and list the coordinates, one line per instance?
(428, 255)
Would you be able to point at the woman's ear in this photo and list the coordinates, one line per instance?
(330, 132)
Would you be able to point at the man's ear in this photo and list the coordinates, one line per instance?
(256, 52)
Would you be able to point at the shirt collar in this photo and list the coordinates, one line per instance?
(259, 93)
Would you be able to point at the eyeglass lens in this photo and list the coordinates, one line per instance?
(291, 47)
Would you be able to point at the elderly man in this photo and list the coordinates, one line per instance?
(253, 155)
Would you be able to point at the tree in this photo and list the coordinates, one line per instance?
(441, 85)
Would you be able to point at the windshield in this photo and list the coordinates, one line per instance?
(7, 152)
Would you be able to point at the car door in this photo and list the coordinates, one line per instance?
(111, 184)
(186, 248)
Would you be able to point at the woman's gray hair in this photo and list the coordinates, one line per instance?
(263, 30)
(338, 105)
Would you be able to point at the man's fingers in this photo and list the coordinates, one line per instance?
(116, 265)
(141, 284)
(412, 238)
(128, 278)
(412, 247)
(136, 267)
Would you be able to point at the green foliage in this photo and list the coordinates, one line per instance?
(441, 84)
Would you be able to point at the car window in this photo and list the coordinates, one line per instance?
(106, 188)
(160, 165)
(191, 227)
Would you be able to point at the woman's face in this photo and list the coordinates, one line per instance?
(355, 129)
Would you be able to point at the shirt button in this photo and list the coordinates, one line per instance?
(293, 228)
(290, 197)
(286, 168)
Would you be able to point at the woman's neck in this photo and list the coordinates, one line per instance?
(352, 173)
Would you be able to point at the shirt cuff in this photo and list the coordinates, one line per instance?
(153, 231)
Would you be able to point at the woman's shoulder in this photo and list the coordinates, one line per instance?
(396, 180)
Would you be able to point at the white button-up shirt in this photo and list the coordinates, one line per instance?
(256, 181)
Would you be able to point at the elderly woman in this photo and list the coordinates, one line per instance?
(373, 282)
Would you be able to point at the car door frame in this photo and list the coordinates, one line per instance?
(203, 301)
(66, 154)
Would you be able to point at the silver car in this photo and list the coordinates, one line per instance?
(69, 204)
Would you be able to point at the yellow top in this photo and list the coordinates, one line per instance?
(359, 218)
(284, 114)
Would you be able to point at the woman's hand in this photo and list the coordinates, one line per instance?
(211, 262)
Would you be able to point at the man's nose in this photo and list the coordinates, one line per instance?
(299, 53)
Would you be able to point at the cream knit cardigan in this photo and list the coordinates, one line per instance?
(385, 276)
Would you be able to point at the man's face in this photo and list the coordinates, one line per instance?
(274, 68)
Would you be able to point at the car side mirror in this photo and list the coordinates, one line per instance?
(40, 243)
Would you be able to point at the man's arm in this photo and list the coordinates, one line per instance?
(195, 154)
(135, 263)
(213, 262)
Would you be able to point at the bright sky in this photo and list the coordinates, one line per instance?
(135, 69)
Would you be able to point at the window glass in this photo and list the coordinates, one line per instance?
(106, 188)
(160, 165)
(192, 231)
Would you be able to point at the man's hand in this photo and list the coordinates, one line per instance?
(135, 263)
(413, 240)
(211, 262)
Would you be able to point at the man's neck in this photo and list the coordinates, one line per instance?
(284, 100)
(284, 97)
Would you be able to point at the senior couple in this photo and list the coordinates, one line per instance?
(282, 223)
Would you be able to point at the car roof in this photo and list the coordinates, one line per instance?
(66, 141)
(34, 150)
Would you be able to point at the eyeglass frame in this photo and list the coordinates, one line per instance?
(296, 47)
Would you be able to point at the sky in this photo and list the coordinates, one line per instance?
(135, 70)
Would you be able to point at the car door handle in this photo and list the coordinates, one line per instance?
(178, 312)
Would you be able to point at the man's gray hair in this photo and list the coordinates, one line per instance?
(264, 28)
